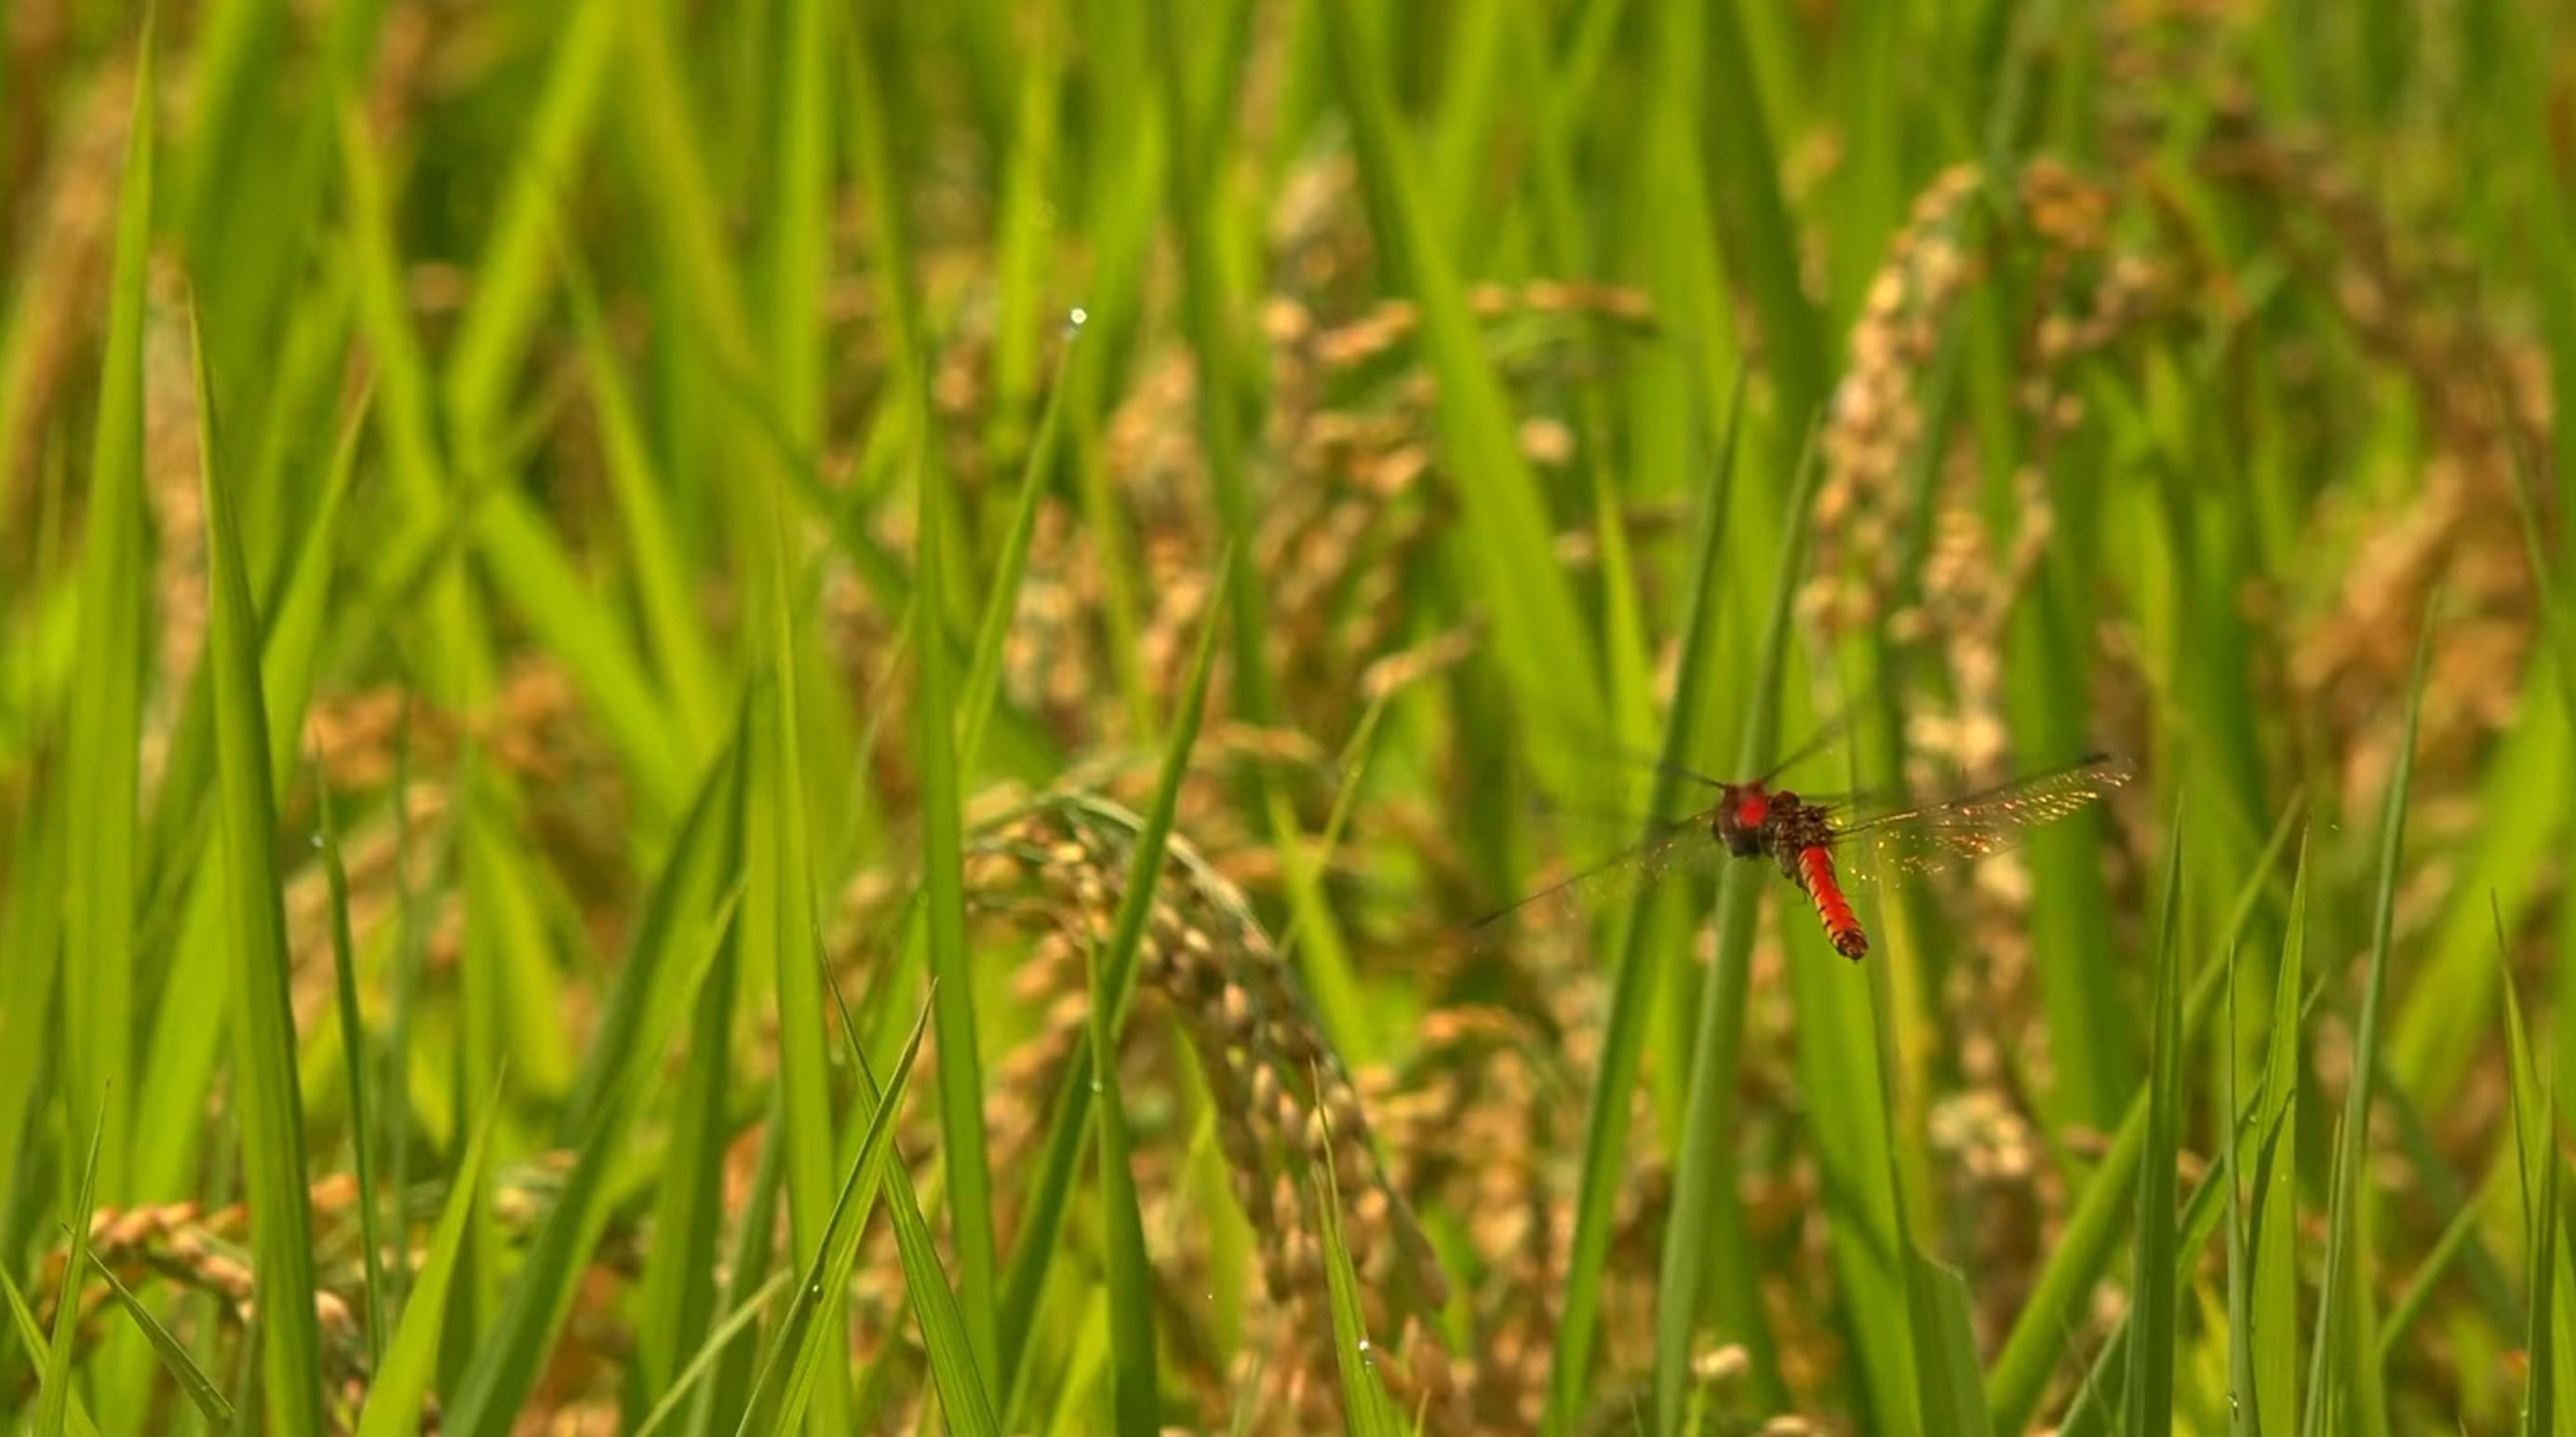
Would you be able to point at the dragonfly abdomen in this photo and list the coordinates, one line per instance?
(1815, 872)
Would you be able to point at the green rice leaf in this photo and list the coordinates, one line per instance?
(960, 1066)
(491, 340)
(1002, 600)
(1053, 1182)
(22, 1319)
(101, 1071)
(964, 1400)
(355, 1063)
(809, 1329)
(1539, 635)
(2540, 1398)
(191, 1378)
(1945, 1349)
(2275, 1297)
(1366, 1409)
(1605, 1125)
(704, 1362)
(397, 1397)
(2019, 1375)
(1704, 1202)
(674, 947)
(2340, 1290)
(270, 1109)
(53, 1406)
(2154, 1290)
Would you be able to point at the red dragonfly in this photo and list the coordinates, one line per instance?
(1752, 820)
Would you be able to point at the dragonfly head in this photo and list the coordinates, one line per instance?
(1741, 817)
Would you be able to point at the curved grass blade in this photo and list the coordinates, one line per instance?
(401, 1390)
(2154, 1289)
(270, 1105)
(2018, 1377)
(2094, 1411)
(1539, 634)
(777, 1402)
(960, 1068)
(727, 1392)
(22, 1318)
(2329, 1363)
(2540, 1400)
(1366, 1409)
(510, 1355)
(191, 1378)
(1945, 1349)
(53, 1407)
(1002, 600)
(677, 1296)
(1704, 1200)
(1605, 1122)
(699, 1366)
(2535, 1145)
(2275, 1297)
(355, 1060)
(100, 1071)
(1044, 1207)
(1127, 1271)
(963, 1398)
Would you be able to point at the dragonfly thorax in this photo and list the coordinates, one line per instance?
(1744, 818)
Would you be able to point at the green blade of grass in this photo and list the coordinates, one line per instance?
(2535, 1145)
(1366, 1409)
(401, 1388)
(1605, 1124)
(677, 1297)
(808, 1330)
(673, 631)
(53, 1407)
(2096, 1409)
(1539, 634)
(964, 1401)
(1952, 1392)
(182, 1368)
(959, 1063)
(1704, 1202)
(1036, 1249)
(1745, 170)
(354, 1062)
(727, 1391)
(2019, 1374)
(2275, 1299)
(530, 568)
(1941, 1338)
(100, 1070)
(22, 1319)
(1127, 1272)
(2540, 1403)
(2240, 1324)
(704, 1362)
(492, 336)
(270, 1109)
(1001, 602)
(673, 948)
(2154, 1290)
(2328, 1369)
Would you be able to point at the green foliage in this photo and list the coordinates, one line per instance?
(548, 539)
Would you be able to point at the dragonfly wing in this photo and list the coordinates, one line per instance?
(1684, 845)
(1979, 825)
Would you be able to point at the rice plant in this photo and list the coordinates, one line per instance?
(798, 716)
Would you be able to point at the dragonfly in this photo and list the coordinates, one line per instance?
(1818, 842)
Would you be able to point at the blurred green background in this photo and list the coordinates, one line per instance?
(736, 716)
